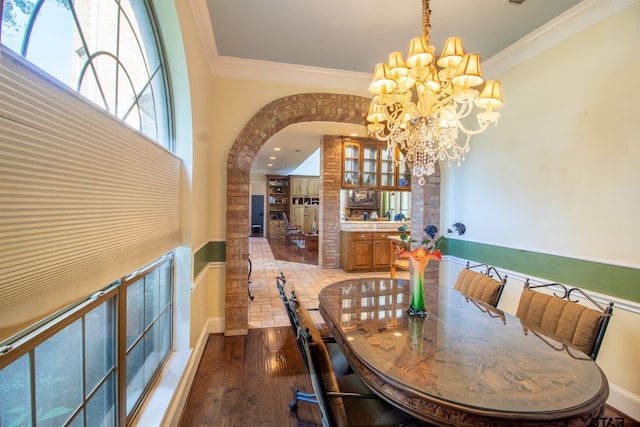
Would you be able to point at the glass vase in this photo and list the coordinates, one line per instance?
(417, 307)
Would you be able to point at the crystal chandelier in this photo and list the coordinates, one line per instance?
(419, 104)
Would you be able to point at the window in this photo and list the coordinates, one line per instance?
(69, 378)
(66, 373)
(148, 328)
(108, 51)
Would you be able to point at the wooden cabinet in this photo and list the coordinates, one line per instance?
(304, 217)
(382, 251)
(356, 251)
(351, 164)
(365, 251)
(403, 174)
(314, 186)
(277, 204)
(304, 186)
(361, 164)
(367, 164)
(305, 201)
(276, 228)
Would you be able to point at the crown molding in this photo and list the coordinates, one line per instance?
(276, 72)
(576, 19)
(581, 16)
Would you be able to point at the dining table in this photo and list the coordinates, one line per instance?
(465, 363)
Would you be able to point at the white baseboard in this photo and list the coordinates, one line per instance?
(624, 401)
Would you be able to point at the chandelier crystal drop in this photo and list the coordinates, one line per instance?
(419, 105)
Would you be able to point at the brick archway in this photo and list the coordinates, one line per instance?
(273, 117)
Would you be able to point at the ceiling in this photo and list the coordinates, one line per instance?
(351, 37)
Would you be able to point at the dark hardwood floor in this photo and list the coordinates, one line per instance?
(287, 252)
(249, 381)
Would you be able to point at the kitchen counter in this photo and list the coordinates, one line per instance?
(370, 225)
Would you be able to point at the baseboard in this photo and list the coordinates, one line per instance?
(624, 401)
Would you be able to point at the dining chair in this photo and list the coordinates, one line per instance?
(480, 285)
(396, 263)
(561, 317)
(293, 234)
(339, 362)
(343, 401)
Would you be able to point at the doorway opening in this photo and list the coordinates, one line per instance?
(257, 215)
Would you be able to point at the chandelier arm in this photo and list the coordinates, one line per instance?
(473, 132)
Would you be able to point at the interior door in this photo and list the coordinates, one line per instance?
(257, 215)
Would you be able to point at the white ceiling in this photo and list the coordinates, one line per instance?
(352, 36)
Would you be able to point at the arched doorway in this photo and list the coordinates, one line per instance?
(273, 117)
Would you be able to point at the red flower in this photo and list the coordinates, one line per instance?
(420, 253)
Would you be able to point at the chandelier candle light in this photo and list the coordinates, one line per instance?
(419, 104)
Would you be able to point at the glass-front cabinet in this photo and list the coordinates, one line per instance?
(369, 165)
(351, 165)
(404, 173)
(387, 170)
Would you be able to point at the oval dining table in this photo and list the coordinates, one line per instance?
(467, 363)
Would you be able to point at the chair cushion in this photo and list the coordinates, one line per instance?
(339, 363)
(325, 368)
(478, 286)
(568, 320)
(402, 264)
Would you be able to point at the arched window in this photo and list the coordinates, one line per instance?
(106, 50)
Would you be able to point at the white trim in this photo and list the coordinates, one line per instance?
(576, 19)
(581, 16)
(162, 403)
(624, 401)
(275, 72)
(202, 20)
(618, 303)
(200, 246)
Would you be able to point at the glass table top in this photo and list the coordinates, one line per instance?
(464, 352)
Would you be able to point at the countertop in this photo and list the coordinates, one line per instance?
(370, 225)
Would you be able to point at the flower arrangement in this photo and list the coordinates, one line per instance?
(430, 244)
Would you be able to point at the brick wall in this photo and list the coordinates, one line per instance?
(270, 119)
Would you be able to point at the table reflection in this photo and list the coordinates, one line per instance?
(464, 353)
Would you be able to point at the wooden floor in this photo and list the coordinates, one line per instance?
(287, 252)
(249, 381)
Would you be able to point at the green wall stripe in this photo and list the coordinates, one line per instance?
(211, 252)
(616, 281)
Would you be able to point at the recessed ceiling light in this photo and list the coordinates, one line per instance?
(353, 134)
(272, 158)
(276, 149)
(270, 165)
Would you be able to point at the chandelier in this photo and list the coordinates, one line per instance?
(419, 104)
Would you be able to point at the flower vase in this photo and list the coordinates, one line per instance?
(416, 325)
(417, 307)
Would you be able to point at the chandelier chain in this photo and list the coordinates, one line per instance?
(426, 18)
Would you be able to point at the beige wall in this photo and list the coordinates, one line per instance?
(559, 174)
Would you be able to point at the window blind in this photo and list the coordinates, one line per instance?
(84, 199)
